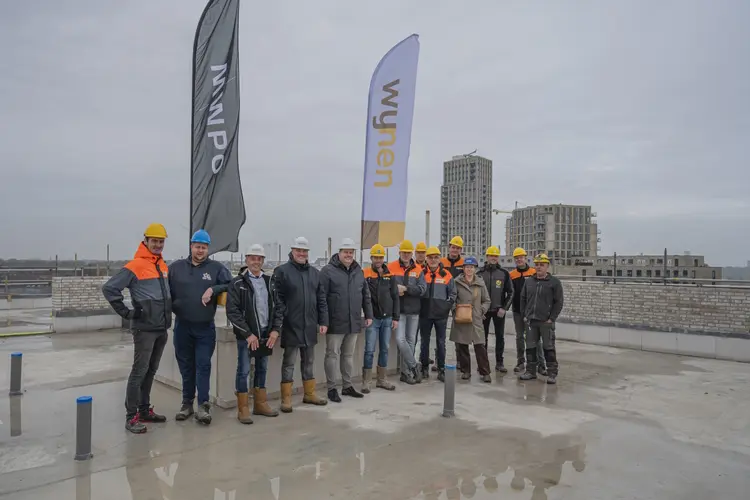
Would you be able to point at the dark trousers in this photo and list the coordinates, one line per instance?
(499, 322)
(194, 344)
(464, 358)
(147, 350)
(545, 332)
(521, 334)
(425, 329)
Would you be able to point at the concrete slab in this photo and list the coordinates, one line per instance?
(620, 424)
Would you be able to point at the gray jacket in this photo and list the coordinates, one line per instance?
(542, 298)
(347, 295)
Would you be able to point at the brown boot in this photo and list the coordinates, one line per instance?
(382, 382)
(366, 380)
(243, 408)
(310, 397)
(260, 404)
(286, 397)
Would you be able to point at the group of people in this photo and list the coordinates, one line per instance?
(415, 295)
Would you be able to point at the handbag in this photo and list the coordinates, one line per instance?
(463, 314)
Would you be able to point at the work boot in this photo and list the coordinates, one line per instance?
(501, 368)
(520, 366)
(552, 380)
(383, 381)
(434, 368)
(134, 424)
(186, 411)
(203, 414)
(465, 376)
(417, 372)
(286, 397)
(530, 373)
(543, 371)
(441, 375)
(351, 392)
(366, 380)
(333, 395)
(310, 397)
(243, 408)
(486, 379)
(426, 371)
(151, 416)
(260, 404)
(408, 378)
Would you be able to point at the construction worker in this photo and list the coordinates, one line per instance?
(300, 313)
(411, 286)
(518, 277)
(498, 283)
(385, 312)
(151, 316)
(437, 303)
(250, 308)
(421, 259)
(541, 304)
(348, 297)
(454, 263)
(195, 283)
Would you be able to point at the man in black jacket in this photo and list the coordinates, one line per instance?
(347, 295)
(385, 311)
(541, 303)
(250, 309)
(300, 312)
(500, 288)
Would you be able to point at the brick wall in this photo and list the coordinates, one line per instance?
(716, 310)
(76, 294)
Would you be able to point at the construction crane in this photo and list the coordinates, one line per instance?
(496, 211)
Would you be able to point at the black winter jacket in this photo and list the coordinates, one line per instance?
(498, 285)
(347, 295)
(383, 293)
(300, 304)
(542, 298)
(241, 310)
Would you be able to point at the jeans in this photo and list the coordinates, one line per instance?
(243, 368)
(194, 344)
(521, 333)
(499, 322)
(379, 332)
(147, 350)
(425, 329)
(307, 354)
(340, 351)
(406, 339)
(539, 330)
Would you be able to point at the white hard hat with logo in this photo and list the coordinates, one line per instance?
(256, 250)
(348, 244)
(301, 243)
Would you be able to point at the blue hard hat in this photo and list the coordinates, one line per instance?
(201, 236)
(471, 261)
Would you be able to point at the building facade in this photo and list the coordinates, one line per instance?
(466, 203)
(563, 232)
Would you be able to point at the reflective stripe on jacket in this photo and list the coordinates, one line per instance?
(411, 277)
(518, 276)
(455, 267)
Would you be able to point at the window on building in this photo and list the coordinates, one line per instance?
(684, 273)
(630, 273)
(639, 273)
(657, 273)
(609, 272)
(651, 261)
(648, 272)
(695, 262)
(630, 261)
(598, 272)
(675, 273)
(619, 272)
(676, 262)
(659, 261)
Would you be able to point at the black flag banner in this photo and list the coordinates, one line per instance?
(216, 202)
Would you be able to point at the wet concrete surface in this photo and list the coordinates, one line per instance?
(619, 425)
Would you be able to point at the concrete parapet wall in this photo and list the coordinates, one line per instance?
(712, 310)
(79, 306)
(21, 303)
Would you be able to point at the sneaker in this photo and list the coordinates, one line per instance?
(501, 368)
(151, 416)
(186, 411)
(486, 379)
(203, 415)
(543, 371)
(551, 380)
(441, 375)
(527, 376)
(417, 372)
(408, 378)
(135, 425)
(351, 392)
(333, 395)
(520, 367)
(466, 376)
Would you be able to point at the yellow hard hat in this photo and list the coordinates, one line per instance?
(493, 251)
(457, 241)
(519, 252)
(421, 247)
(155, 230)
(541, 259)
(377, 250)
(406, 246)
(432, 251)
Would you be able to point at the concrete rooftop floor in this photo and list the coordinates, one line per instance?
(620, 425)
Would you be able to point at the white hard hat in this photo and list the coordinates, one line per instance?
(348, 244)
(256, 250)
(301, 243)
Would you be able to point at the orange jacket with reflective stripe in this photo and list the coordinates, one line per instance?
(412, 278)
(440, 296)
(518, 277)
(455, 267)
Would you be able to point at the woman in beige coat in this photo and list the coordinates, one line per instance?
(471, 290)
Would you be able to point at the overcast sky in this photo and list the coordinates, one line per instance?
(639, 108)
